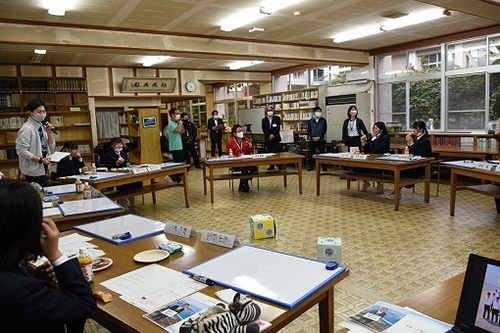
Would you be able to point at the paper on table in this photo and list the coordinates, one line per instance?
(51, 211)
(57, 156)
(414, 323)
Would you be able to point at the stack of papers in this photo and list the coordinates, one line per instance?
(389, 318)
(223, 159)
(71, 244)
(150, 287)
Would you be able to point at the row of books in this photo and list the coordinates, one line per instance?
(12, 122)
(9, 85)
(10, 100)
(57, 120)
(273, 98)
(290, 106)
(54, 85)
(463, 142)
(291, 96)
(124, 130)
(310, 94)
(8, 154)
(307, 104)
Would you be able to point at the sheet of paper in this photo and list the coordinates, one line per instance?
(414, 323)
(51, 211)
(57, 156)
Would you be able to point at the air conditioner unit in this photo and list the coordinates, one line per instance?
(361, 74)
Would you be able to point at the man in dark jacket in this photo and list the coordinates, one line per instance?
(216, 127)
(188, 138)
(316, 130)
(271, 127)
(72, 164)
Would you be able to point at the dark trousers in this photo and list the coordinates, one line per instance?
(42, 180)
(189, 148)
(487, 309)
(353, 141)
(494, 315)
(246, 171)
(178, 156)
(216, 140)
(272, 146)
(313, 146)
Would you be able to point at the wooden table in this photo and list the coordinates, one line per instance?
(278, 159)
(68, 222)
(119, 316)
(151, 176)
(486, 189)
(456, 151)
(373, 163)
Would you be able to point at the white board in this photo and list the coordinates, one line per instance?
(278, 277)
(254, 117)
(88, 206)
(60, 189)
(99, 175)
(138, 226)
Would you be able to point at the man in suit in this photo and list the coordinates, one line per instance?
(215, 126)
(271, 127)
(72, 164)
(188, 137)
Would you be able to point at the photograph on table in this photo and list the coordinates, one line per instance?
(380, 316)
(488, 316)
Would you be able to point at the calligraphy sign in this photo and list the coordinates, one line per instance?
(148, 85)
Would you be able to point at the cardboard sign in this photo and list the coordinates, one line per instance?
(179, 229)
(219, 238)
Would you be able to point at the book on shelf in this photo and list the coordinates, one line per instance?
(3, 154)
(12, 122)
(13, 172)
(8, 85)
(10, 100)
(273, 98)
(309, 94)
(57, 120)
(75, 108)
(37, 84)
(81, 124)
(307, 104)
(290, 106)
(63, 99)
(71, 85)
(290, 96)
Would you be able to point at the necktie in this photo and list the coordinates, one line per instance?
(44, 147)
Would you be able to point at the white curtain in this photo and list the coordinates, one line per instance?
(107, 124)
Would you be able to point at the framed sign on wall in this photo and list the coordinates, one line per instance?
(148, 85)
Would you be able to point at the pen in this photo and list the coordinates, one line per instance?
(203, 279)
(122, 236)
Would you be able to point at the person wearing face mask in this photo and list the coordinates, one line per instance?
(353, 128)
(215, 126)
(271, 127)
(240, 145)
(378, 143)
(188, 137)
(419, 144)
(175, 131)
(316, 130)
(34, 144)
(72, 164)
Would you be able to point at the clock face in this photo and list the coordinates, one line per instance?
(190, 86)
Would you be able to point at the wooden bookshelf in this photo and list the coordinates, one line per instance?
(453, 139)
(66, 103)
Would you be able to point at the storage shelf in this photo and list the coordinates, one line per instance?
(7, 161)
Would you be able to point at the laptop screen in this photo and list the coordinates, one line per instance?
(480, 300)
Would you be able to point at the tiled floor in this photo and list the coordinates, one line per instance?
(391, 255)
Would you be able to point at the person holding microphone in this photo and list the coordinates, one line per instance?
(34, 144)
(239, 145)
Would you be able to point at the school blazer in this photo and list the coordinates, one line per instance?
(69, 166)
(360, 125)
(273, 129)
(29, 304)
(421, 147)
(109, 160)
(380, 145)
(211, 124)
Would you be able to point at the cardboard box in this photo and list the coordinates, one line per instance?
(262, 226)
(330, 249)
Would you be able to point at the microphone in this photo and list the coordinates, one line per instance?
(45, 122)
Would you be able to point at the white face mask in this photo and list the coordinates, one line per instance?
(354, 113)
(177, 117)
(317, 114)
(239, 135)
(39, 117)
(270, 113)
(118, 149)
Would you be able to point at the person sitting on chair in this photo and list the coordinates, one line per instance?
(239, 145)
(378, 143)
(72, 164)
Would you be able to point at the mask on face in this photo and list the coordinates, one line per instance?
(317, 114)
(185, 120)
(354, 113)
(270, 113)
(177, 117)
(216, 115)
(39, 117)
(118, 149)
(240, 135)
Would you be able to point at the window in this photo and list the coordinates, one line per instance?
(392, 105)
(425, 60)
(299, 80)
(281, 83)
(425, 102)
(467, 54)
(494, 96)
(320, 76)
(224, 92)
(466, 102)
(392, 65)
(494, 50)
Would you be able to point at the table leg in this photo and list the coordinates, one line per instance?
(205, 178)
(497, 203)
(427, 182)
(186, 193)
(326, 316)
(453, 192)
(153, 193)
(299, 167)
(284, 177)
(211, 169)
(348, 183)
(317, 178)
(397, 188)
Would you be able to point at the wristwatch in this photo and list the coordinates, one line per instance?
(40, 161)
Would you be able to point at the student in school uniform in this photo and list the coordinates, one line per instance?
(271, 125)
(353, 128)
(175, 131)
(239, 145)
(378, 143)
(419, 144)
(72, 164)
(117, 158)
(35, 143)
(31, 304)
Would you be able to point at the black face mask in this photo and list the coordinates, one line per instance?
(185, 120)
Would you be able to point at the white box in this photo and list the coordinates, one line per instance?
(330, 249)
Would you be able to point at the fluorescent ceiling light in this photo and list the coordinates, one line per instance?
(153, 60)
(59, 7)
(357, 33)
(413, 19)
(40, 51)
(57, 11)
(240, 64)
(250, 15)
(256, 29)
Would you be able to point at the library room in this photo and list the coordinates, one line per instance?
(266, 166)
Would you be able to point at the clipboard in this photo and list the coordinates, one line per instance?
(99, 175)
(138, 226)
(277, 277)
(60, 189)
(88, 206)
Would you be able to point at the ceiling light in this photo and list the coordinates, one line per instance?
(413, 19)
(240, 64)
(256, 29)
(297, 13)
(57, 11)
(265, 11)
(357, 33)
(40, 51)
(153, 60)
